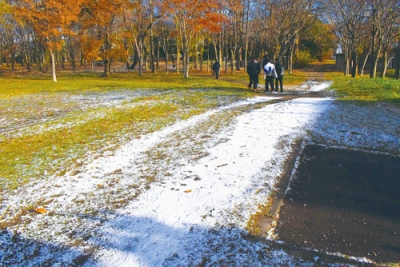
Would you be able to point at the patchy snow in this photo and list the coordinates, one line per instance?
(182, 196)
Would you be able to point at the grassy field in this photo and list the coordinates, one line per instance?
(47, 128)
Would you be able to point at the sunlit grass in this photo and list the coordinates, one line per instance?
(55, 149)
(21, 85)
(61, 132)
(55, 146)
(366, 89)
(20, 154)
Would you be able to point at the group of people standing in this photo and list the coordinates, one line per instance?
(273, 74)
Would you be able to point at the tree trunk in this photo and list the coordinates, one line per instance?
(28, 62)
(13, 60)
(196, 50)
(82, 59)
(201, 54)
(186, 61)
(166, 53)
(140, 57)
(158, 55)
(53, 66)
(376, 59)
(72, 59)
(246, 49)
(385, 63)
(220, 50)
(364, 64)
(290, 59)
(178, 49)
(106, 58)
(346, 60)
(233, 60)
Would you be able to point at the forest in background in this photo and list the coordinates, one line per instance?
(142, 33)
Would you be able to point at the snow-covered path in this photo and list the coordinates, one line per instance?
(220, 190)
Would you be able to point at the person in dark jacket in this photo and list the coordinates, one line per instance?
(253, 70)
(216, 66)
(279, 72)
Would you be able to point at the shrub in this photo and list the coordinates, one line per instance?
(302, 59)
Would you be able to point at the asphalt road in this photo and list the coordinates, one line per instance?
(346, 202)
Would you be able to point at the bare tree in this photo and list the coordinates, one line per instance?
(281, 22)
(346, 18)
(384, 23)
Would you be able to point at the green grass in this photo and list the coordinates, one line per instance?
(17, 85)
(31, 149)
(47, 136)
(21, 85)
(365, 89)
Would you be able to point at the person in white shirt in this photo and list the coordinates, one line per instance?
(270, 75)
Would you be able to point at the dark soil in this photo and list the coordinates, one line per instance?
(346, 202)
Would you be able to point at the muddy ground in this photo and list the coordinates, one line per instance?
(346, 202)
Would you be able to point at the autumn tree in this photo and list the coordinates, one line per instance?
(102, 26)
(50, 20)
(8, 43)
(139, 21)
(192, 17)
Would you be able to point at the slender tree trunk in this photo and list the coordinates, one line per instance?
(139, 48)
(290, 59)
(233, 60)
(246, 35)
(384, 63)
(158, 55)
(186, 61)
(13, 60)
(166, 52)
(364, 64)
(106, 58)
(72, 59)
(82, 61)
(196, 50)
(208, 56)
(346, 60)
(376, 59)
(216, 50)
(178, 49)
(152, 59)
(220, 49)
(28, 62)
(53, 66)
(201, 55)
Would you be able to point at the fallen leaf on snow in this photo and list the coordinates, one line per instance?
(40, 210)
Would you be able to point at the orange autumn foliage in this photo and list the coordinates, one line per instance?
(50, 19)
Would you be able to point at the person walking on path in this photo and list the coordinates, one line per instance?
(216, 66)
(270, 75)
(253, 70)
(279, 72)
